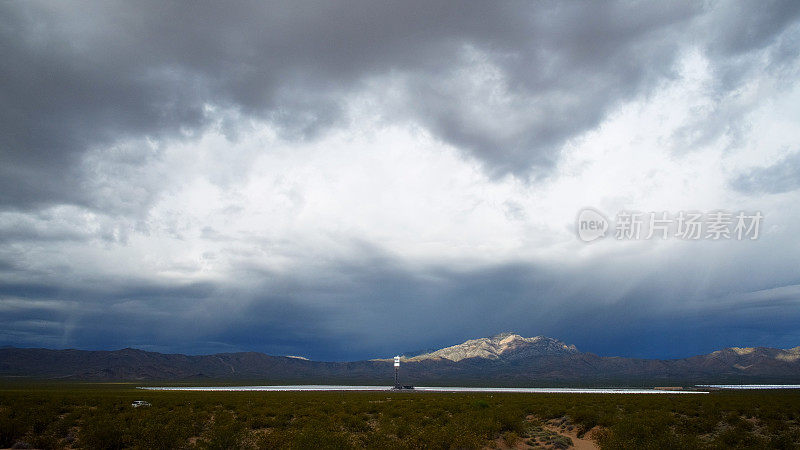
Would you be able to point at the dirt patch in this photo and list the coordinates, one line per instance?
(553, 434)
(579, 443)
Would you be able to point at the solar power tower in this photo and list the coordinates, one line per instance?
(396, 371)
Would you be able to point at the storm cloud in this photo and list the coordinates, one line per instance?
(340, 179)
(782, 176)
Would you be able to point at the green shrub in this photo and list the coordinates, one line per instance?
(100, 416)
(226, 432)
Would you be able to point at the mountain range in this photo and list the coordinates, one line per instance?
(506, 359)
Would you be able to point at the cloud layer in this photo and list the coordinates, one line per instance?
(338, 180)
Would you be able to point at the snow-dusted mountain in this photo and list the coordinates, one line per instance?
(504, 345)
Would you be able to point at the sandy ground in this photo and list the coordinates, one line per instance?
(584, 443)
(559, 427)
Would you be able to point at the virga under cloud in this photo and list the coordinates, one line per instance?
(272, 176)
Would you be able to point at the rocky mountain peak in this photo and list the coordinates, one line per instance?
(504, 345)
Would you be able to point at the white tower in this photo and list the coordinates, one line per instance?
(396, 370)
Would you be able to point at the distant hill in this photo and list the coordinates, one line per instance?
(506, 346)
(503, 360)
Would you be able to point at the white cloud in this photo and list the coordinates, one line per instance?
(425, 163)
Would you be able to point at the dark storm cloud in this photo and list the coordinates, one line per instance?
(97, 87)
(354, 311)
(107, 313)
(381, 307)
(82, 78)
(783, 176)
(741, 27)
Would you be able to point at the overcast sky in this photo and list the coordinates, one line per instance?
(346, 180)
